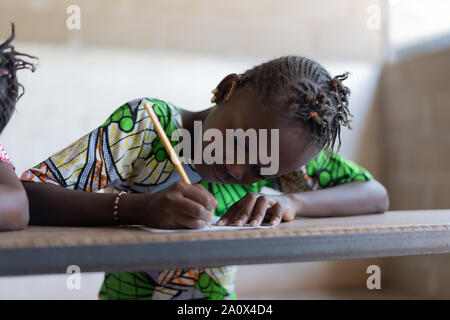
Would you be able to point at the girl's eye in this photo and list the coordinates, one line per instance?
(257, 172)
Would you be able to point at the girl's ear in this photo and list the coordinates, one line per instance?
(224, 87)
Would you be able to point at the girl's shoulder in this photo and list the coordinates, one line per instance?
(332, 169)
(133, 112)
(4, 156)
(169, 115)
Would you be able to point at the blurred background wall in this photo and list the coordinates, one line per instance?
(178, 50)
(321, 28)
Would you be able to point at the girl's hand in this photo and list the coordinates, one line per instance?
(179, 206)
(256, 208)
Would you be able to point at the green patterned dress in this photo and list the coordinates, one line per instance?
(126, 154)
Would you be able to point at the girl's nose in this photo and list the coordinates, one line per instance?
(237, 171)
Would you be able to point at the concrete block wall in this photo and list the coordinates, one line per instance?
(415, 121)
(414, 117)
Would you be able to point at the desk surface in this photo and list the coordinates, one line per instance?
(38, 250)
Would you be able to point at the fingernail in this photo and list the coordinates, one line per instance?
(238, 222)
(220, 223)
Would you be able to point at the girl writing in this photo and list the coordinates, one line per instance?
(293, 94)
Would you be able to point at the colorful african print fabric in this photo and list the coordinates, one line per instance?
(125, 153)
(4, 156)
(324, 171)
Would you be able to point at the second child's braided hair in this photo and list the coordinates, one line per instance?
(10, 89)
(308, 91)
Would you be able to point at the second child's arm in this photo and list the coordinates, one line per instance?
(13, 200)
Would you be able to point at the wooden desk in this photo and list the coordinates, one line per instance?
(39, 250)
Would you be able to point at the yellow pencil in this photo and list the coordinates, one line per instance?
(162, 134)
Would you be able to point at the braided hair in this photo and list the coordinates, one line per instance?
(10, 89)
(310, 93)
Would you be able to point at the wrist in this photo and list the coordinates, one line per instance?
(297, 202)
(130, 207)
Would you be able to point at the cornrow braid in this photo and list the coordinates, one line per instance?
(10, 89)
(309, 92)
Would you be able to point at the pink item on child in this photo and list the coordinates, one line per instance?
(4, 157)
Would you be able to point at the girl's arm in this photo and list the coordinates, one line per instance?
(358, 197)
(328, 186)
(352, 198)
(119, 154)
(105, 157)
(336, 186)
(13, 200)
(54, 205)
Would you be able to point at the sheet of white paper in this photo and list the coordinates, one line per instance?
(213, 227)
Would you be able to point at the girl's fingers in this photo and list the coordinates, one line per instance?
(212, 201)
(230, 214)
(199, 194)
(190, 222)
(277, 215)
(252, 209)
(259, 211)
(195, 210)
(246, 209)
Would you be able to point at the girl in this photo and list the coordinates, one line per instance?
(13, 199)
(293, 94)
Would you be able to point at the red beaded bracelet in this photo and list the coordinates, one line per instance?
(116, 205)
